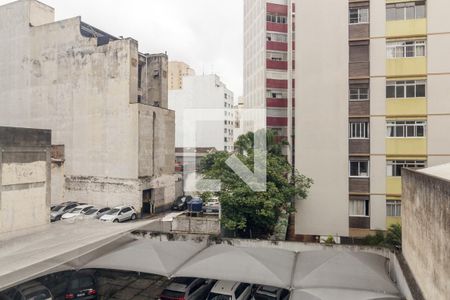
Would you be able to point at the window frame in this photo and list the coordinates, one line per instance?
(392, 165)
(359, 18)
(366, 208)
(405, 124)
(405, 45)
(394, 206)
(359, 169)
(362, 127)
(358, 93)
(404, 6)
(396, 84)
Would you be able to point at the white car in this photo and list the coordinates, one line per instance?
(95, 213)
(28, 291)
(230, 290)
(120, 214)
(76, 212)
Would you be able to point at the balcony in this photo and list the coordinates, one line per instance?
(406, 107)
(276, 102)
(277, 121)
(394, 185)
(406, 146)
(277, 84)
(277, 9)
(277, 46)
(393, 220)
(406, 28)
(277, 65)
(411, 66)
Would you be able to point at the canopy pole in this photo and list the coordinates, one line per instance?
(294, 267)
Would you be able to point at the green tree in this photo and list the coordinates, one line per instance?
(394, 236)
(245, 211)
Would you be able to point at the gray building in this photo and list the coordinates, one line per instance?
(105, 102)
(24, 178)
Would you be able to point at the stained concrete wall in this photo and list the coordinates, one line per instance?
(24, 178)
(54, 77)
(426, 231)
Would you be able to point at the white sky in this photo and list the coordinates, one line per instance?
(206, 34)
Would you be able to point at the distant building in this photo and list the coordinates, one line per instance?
(105, 102)
(206, 105)
(426, 228)
(178, 70)
(24, 178)
(188, 159)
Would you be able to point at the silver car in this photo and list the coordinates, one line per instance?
(57, 211)
(187, 288)
(120, 214)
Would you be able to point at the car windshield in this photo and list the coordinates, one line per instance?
(91, 211)
(81, 283)
(214, 296)
(75, 210)
(113, 211)
(57, 208)
(38, 295)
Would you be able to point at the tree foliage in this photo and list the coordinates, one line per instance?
(243, 209)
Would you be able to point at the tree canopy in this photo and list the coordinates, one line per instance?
(244, 210)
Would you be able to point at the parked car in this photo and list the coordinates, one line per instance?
(59, 210)
(77, 211)
(187, 288)
(81, 286)
(211, 207)
(265, 292)
(27, 291)
(102, 211)
(120, 214)
(95, 213)
(230, 290)
(181, 203)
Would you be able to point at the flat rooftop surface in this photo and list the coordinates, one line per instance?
(441, 171)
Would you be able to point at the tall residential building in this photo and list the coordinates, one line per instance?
(177, 70)
(373, 86)
(207, 106)
(104, 101)
(269, 62)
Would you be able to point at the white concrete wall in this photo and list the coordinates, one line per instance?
(322, 115)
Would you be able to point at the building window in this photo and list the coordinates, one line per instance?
(276, 94)
(359, 130)
(405, 89)
(359, 168)
(394, 167)
(359, 93)
(274, 18)
(359, 15)
(406, 129)
(359, 208)
(406, 11)
(393, 208)
(276, 37)
(401, 49)
(277, 56)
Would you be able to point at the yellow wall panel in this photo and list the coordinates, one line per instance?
(405, 28)
(406, 107)
(409, 66)
(406, 146)
(394, 185)
(393, 220)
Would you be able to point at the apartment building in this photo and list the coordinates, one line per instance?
(373, 98)
(207, 105)
(177, 70)
(104, 101)
(269, 63)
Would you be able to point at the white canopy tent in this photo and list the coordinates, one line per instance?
(333, 294)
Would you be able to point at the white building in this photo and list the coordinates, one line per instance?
(204, 110)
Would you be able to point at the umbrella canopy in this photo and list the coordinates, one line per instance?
(266, 266)
(333, 294)
(148, 256)
(342, 270)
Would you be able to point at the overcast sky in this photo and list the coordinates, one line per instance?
(206, 34)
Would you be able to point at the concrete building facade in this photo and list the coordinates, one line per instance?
(207, 106)
(372, 98)
(105, 102)
(178, 70)
(269, 61)
(426, 229)
(24, 178)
